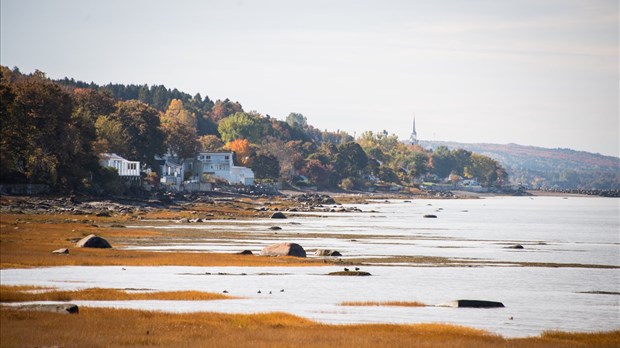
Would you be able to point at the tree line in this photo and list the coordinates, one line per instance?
(53, 131)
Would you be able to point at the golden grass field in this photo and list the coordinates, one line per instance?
(27, 241)
(95, 327)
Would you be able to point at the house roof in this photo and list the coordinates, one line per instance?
(113, 156)
(108, 156)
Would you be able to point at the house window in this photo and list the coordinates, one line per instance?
(208, 157)
(226, 157)
(131, 166)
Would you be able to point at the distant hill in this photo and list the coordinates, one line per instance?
(537, 167)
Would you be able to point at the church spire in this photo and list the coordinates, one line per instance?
(413, 139)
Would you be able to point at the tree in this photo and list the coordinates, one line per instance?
(387, 174)
(41, 140)
(287, 156)
(223, 109)
(350, 160)
(442, 162)
(179, 128)
(319, 173)
(483, 169)
(177, 111)
(141, 133)
(296, 120)
(266, 167)
(211, 143)
(461, 160)
(243, 125)
(417, 164)
(242, 150)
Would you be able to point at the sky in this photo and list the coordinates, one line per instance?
(531, 72)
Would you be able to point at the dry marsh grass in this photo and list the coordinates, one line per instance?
(388, 303)
(24, 294)
(99, 327)
(28, 240)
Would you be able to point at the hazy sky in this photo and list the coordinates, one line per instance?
(536, 72)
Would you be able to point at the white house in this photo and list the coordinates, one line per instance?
(171, 173)
(220, 165)
(124, 167)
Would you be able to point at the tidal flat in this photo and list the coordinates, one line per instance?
(565, 277)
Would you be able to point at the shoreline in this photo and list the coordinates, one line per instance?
(28, 238)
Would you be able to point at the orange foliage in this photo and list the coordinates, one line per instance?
(242, 148)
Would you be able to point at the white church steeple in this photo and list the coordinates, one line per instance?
(413, 139)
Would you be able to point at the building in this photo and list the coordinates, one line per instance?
(125, 168)
(413, 138)
(220, 165)
(171, 174)
(194, 174)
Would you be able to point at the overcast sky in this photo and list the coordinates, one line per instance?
(532, 72)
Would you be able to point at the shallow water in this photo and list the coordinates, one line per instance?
(575, 230)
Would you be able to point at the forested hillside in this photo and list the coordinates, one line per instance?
(53, 132)
(539, 167)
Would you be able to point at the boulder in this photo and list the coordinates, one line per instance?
(349, 273)
(61, 251)
(284, 249)
(278, 215)
(92, 241)
(66, 308)
(516, 246)
(327, 252)
(246, 252)
(473, 304)
(430, 216)
(275, 228)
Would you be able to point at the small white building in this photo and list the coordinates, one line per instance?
(124, 167)
(171, 174)
(220, 165)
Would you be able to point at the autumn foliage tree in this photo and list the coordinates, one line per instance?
(179, 128)
(242, 150)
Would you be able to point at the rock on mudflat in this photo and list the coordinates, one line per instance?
(284, 249)
(278, 215)
(327, 252)
(430, 216)
(61, 251)
(473, 304)
(92, 241)
(349, 273)
(66, 308)
(246, 252)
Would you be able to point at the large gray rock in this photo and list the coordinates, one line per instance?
(278, 215)
(327, 252)
(284, 249)
(473, 304)
(92, 241)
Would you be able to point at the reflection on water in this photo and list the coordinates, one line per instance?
(574, 230)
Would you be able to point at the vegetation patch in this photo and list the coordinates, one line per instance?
(258, 330)
(25, 294)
